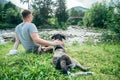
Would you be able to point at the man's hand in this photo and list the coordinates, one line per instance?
(58, 42)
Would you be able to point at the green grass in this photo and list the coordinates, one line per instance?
(103, 59)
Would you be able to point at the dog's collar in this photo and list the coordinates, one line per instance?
(59, 47)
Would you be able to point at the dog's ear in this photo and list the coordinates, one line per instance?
(63, 36)
(53, 37)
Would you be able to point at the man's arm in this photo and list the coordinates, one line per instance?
(17, 41)
(35, 37)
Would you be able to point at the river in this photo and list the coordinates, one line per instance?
(72, 33)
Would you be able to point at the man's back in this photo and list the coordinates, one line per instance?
(23, 31)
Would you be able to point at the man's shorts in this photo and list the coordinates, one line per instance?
(34, 49)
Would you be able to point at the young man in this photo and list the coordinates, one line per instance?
(27, 35)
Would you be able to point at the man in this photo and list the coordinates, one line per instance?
(27, 35)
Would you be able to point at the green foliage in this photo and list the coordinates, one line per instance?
(74, 21)
(45, 36)
(104, 15)
(75, 17)
(12, 17)
(6, 25)
(116, 19)
(75, 43)
(112, 23)
(62, 26)
(9, 16)
(96, 16)
(103, 60)
(61, 14)
(42, 11)
(89, 41)
(110, 37)
(76, 13)
(1, 8)
(9, 5)
(80, 23)
(52, 21)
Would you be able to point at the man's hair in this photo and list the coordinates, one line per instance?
(26, 13)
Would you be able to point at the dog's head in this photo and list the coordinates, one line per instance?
(58, 37)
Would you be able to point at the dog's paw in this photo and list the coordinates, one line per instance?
(86, 69)
(81, 73)
(90, 73)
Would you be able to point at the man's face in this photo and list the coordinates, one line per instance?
(30, 17)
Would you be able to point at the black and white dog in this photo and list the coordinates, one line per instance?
(62, 61)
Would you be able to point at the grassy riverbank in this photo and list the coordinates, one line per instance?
(103, 59)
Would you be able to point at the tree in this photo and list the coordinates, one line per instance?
(96, 16)
(1, 8)
(26, 1)
(9, 5)
(12, 17)
(112, 23)
(42, 11)
(11, 13)
(61, 13)
(74, 13)
(117, 18)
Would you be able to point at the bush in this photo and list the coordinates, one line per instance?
(74, 21)
(80, 23)
(113, 24)
(96, 16)
(12, 16)
(62, 26)
(53, 26)
(110, 37)
(75, 43)
(6, 25)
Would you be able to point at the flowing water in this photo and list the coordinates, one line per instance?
(72, 33)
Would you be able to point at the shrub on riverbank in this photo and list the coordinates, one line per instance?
(7, 26)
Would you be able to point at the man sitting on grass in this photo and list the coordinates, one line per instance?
(27, 35)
